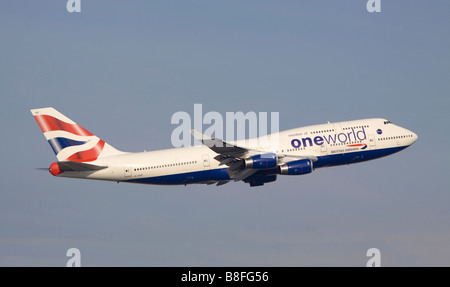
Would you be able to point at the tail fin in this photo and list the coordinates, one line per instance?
(70, 141)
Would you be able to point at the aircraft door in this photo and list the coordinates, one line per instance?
(372, 142)
(127, 171)
(323, 149)
(337, 128)
(205, 161)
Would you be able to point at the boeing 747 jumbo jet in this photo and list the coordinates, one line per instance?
(298, 151)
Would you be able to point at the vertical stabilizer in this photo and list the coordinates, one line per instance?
(70, 141)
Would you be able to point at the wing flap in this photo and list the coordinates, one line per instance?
(224, 149)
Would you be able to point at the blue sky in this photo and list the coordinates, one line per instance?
(123, 68)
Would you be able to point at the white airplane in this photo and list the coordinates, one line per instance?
(298, 151)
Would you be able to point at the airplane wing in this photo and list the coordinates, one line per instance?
(234, 156)
(228, 154)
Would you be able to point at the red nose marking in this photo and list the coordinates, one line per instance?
(54, 169)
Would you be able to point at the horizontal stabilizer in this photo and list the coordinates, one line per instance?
(78, 166)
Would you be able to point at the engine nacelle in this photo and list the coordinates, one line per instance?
(261, 161)
(297, 167)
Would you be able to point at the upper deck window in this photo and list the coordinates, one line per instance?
(387, 122)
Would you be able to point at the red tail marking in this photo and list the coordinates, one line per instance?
(49, 123)
(88, 155)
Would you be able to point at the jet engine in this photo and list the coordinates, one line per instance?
(297, 167)
(261, 161)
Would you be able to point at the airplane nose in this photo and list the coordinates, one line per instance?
(414, 137)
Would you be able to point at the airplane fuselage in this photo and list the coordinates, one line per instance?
(329, 144)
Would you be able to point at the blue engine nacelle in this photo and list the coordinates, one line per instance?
(261, 161)
(297, 167)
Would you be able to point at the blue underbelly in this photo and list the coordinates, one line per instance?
(186, 178)
(221, 174)
(354, 157)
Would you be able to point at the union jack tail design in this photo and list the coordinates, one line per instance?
(70, 141)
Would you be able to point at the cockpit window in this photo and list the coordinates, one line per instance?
(387, 122)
